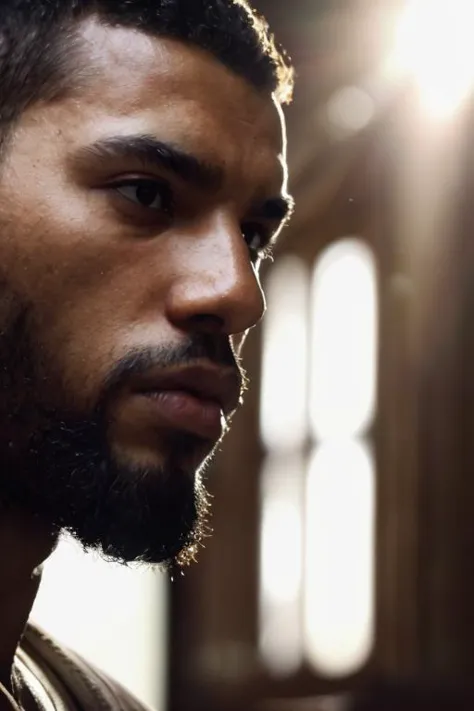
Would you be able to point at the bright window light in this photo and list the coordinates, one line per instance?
(350, 110)
(434, 44)
(281, 564)
(113, 615)
(344, 341)
(284, 369)
(339, 559)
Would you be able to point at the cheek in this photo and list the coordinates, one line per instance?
(101, 313)
(91, 291)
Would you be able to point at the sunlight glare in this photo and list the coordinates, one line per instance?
(281, 564)
(284, 369)
(344, 342)
(434, 44)
(104, 610)
(339, 567)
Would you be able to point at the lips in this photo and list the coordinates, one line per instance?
(193, 399)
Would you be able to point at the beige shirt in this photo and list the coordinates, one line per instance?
(57, 679)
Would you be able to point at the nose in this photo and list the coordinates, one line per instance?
(215, 286)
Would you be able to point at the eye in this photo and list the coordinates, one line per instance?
(147, 193)
(257, 238)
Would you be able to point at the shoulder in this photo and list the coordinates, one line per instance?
(90, 687)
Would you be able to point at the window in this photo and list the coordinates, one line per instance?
(318, 480)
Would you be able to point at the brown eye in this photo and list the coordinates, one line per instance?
(149, 194)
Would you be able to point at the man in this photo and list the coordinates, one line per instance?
(142, 181)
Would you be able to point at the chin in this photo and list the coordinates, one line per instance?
(139, 458)
(189, 453)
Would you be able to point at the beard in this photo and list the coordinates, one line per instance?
(58, 466)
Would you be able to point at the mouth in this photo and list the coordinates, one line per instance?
(198, 400)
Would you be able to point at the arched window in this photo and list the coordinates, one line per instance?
(318, 480)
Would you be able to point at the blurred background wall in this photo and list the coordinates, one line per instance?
(343, 535)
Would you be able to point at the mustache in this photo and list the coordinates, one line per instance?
(200, 348)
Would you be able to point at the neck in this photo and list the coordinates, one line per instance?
(24, 545)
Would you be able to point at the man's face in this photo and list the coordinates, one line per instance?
(131, 213)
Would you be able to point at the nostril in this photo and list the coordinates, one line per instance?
(207, 323)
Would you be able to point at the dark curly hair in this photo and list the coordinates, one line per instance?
(39, 47)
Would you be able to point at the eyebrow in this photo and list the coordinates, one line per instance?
(149, 151)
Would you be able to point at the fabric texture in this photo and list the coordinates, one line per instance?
(58, 679)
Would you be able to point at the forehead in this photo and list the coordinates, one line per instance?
(181, 94)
